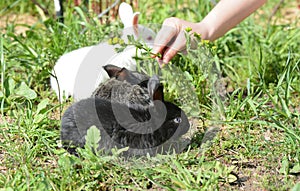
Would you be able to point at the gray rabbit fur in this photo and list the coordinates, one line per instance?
(129, 110)
(126, 87)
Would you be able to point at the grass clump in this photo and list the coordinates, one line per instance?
(256, 77)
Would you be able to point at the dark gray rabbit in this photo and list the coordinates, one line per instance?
(127, 87)
(129, 112)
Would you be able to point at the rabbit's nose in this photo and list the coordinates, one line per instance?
(149, 38)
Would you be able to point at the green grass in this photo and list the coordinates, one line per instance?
(257, 147)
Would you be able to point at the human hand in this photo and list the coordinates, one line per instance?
(171, 38)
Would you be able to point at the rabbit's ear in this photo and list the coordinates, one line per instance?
(155, 88)
(124, 74)
(126, 14)
(159, 93)
(121, 74)
(129, 76)
(135, 23)
(112, 70)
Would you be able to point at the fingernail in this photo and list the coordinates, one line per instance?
(159, 61)
(166, 60)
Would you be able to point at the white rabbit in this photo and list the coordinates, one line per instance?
(79, 72)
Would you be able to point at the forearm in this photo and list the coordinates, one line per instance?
(225, 15)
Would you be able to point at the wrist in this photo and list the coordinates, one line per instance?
(204, 30)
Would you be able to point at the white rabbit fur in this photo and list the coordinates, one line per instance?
(79, 72)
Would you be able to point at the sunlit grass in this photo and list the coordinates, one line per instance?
(256, 147)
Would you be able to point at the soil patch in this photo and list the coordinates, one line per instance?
(22, 22)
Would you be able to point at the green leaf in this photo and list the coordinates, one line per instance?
(1, 94)
(295, 169)
(38, 118)
(11, 86)
(26, 92)
(92, 137)
(284, 166)
(296, 187)
(130, 38)
(6, 189)
(188, 75)
(33, 52)
(42, 105)
(81, 13)
(250, 102)
(231, 178)
(117, 152)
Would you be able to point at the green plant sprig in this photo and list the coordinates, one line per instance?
(132, 42)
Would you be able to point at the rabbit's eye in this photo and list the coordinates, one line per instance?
(177, 120)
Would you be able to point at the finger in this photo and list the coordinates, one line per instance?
(178, 45)
(168, 31)
(160, 62)
(164, 36)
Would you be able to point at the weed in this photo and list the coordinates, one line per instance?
(247, 85)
